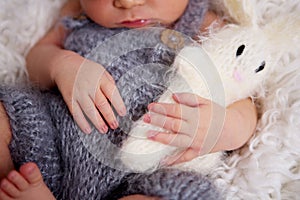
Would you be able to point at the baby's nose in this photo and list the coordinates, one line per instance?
(128, 3)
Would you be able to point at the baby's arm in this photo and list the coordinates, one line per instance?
(86, 86)
(6, 164)
(239, 125)
(43, 58)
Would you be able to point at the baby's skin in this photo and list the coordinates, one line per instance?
(25, 184)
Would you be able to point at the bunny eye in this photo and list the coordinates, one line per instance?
(261, 67)
(240, 50)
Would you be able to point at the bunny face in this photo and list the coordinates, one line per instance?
(242, 58)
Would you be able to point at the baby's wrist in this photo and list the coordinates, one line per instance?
(62, 64)
(239, 124)
(234, 123)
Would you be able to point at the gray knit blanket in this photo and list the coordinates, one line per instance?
(79, 166)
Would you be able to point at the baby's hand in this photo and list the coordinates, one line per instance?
(193, 124)
(88, 89)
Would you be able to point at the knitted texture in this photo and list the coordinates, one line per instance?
(34, 136)
(79, 166)
(44, 133)
(182, 184)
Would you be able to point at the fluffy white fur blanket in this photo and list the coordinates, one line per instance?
(267, 168)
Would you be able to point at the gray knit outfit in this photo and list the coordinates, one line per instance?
(45, 133)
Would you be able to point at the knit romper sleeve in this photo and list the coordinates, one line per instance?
(34, 136)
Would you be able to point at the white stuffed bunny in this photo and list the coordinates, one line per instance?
(230, 65)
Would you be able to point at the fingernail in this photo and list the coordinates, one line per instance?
(30, 169)
(114, 125)
(175, 96)
(123, 112)
(147, 118)
(151, 134)
(104, 129)
(87, 130)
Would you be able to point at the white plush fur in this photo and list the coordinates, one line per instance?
(22, 24)
(266, 168)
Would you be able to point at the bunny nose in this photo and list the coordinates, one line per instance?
(237, 76)
(128, 3)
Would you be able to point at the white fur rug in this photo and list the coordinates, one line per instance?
(267, 168)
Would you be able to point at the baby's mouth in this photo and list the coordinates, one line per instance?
(137, 23)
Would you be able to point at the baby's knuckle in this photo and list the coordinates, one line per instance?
(186, 157)
(102, 104)
(90, 109)
(108, 115)
(75, 115)
(197, 147)
(177, 109)
(109, 77)
(197, 143)
(70, 94)
(72, 108)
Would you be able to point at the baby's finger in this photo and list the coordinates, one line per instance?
(89, 109)
(168, 123)
(106, 110)
(79, 118)
(178, 140)
(190, 99)
(184, 156)
(174, 110)
(110, 90)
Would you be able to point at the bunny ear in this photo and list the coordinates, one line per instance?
(242, 11)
